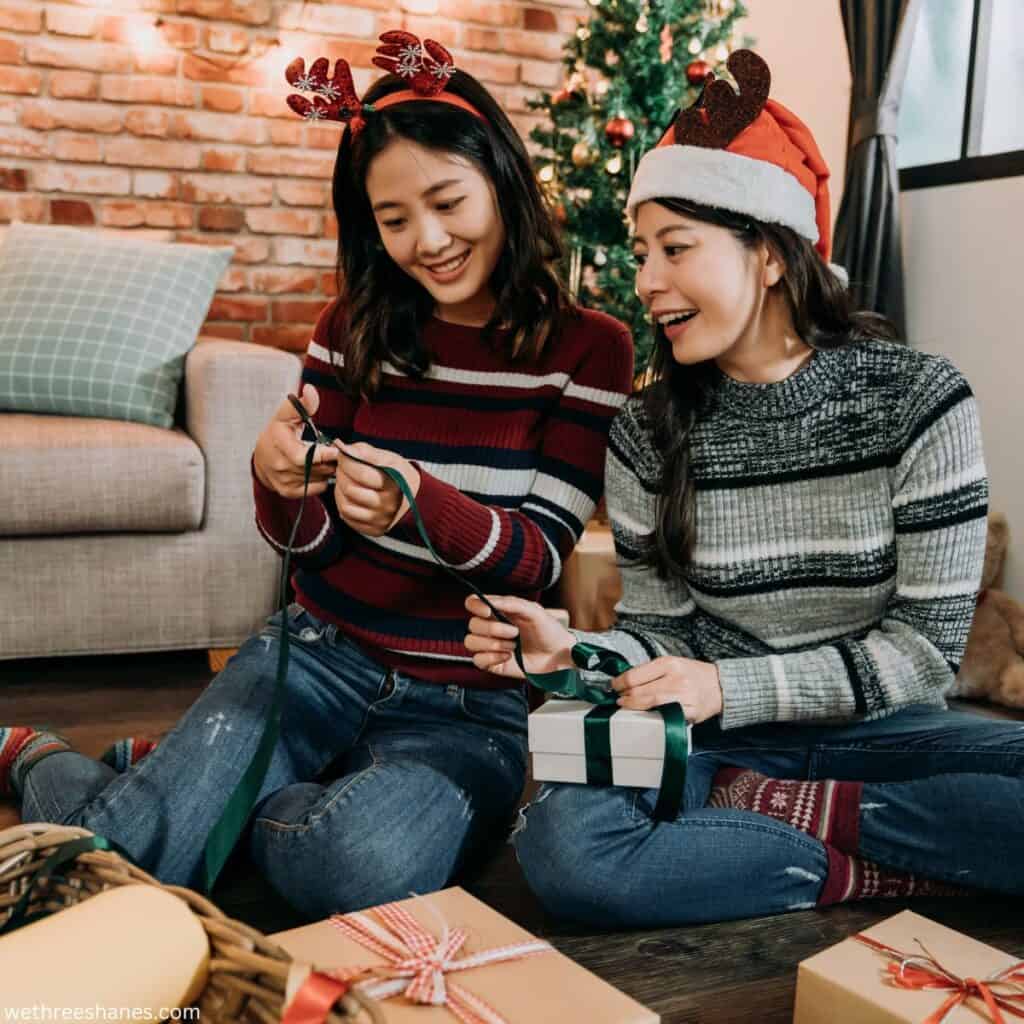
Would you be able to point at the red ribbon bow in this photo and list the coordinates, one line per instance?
(416, 965)
(1003, 990)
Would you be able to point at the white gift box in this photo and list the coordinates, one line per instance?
(558, 750)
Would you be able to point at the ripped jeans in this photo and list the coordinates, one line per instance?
(943, 798)
(380, 784)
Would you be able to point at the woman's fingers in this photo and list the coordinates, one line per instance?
(492, 627)
(487, 644)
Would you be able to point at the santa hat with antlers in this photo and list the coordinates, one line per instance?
(743, 152)
(427, 67)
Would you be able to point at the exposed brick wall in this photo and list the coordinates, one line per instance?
(110, 121)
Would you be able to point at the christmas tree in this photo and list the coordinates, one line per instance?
(628, 69)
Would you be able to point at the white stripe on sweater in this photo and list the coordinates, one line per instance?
(931, 591)
(795, 547)
(947, 485)
(490, 544)
(302, 549)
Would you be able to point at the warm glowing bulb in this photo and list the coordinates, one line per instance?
(547, 173)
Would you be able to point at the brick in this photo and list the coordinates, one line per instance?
(83, 149)
(277, 282)
(20, 81)
(498, 15)
(23, 143)
(146, 213)
(232, 332)
(271, 103)
(71, 211)
(292, 339)
(265, 221)
(74, 85)
(301, 193)
(157, 62)
(152, 123)
(420, 6)
(296, 311)
(10, 51)
(222, 98)
(447, 33)
(87, 56)
(209, 188)
(291, 163)
(234, 279)
(47, 115)
(103, 181)
(286, 133)
(223, 161)
(489, 68)
(13, 179)
(304, 251)
(150, 153)
(484, 39)
(327, 19)
(358, 54)
(537, 19)
(227, 40)
(329, 283)
(221, 218)
(532, 44)
(323, 136)
(542, 73)
(246, 12)
(238, 308)
(71, 21)
(21, 18)
(219, 128)
(161, 91)
(155, 185)
(247, 249)
(181, 34)
(203, 69)
(22, 208)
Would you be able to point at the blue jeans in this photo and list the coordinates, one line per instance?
(380, 785)
(943, 797)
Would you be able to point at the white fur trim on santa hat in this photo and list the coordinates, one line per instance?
(729, 181)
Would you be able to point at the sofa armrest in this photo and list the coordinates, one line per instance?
(231, 390)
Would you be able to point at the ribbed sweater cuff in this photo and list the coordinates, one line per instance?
(748, 692)
(458, 527)
(275, 516)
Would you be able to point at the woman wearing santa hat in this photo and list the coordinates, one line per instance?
(799, 508)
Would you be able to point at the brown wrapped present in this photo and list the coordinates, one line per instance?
(444, 958)
(909, 970)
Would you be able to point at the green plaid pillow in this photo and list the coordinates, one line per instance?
(99, 325)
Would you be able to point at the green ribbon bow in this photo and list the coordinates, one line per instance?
(565, 683)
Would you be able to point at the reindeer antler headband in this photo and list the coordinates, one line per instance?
(741, 151)
(427, 66)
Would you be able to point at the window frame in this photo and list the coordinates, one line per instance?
(968, 167)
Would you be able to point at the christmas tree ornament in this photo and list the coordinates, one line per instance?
(582, 155)
(665, 50)
(561, 214)
(547, 173)
(583, 33)
(600, 258)
(722, 52)
(642, 24)
(619, 130)
(697, 71)
(602, 87)
(611, 58)
(614, 165)
(695, 46)
(562, 96)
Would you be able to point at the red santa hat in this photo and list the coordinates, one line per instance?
(743, 152)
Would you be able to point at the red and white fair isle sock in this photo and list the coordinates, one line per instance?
(127, 752)
(21, 746)
(826, 809)
(853, 878)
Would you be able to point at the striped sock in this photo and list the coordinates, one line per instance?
(825, 809)
(127, 752)
(21, 747)
(853, 878)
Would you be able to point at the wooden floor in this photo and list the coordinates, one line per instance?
(733, 972)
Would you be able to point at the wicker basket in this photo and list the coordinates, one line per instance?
(247, 972)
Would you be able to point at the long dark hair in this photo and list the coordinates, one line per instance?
(381, 309)
(822, 315)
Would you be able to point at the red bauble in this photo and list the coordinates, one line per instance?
(697, 71)
(619, 130)
(561, 215)
(562, 96)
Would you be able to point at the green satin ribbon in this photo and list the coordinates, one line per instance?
(565, 683)
(68, 851)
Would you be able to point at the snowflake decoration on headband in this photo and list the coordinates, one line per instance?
(427, 65)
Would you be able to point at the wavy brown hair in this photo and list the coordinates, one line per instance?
(381, 309)
(673, 400)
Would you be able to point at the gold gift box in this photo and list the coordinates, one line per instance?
(544, 987)
(851, 981)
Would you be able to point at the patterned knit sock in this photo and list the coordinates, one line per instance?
(124, 753)
(853, 878)
(826, 809)
(21, 747)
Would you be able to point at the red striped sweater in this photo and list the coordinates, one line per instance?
(511, 460)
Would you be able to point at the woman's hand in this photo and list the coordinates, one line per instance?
(367, 499)
(694, 684)
(279, 458)
(547, 645)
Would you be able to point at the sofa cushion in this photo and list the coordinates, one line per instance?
(64, 475)
(98, 325)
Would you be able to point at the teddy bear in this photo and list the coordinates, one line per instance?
(993, 664)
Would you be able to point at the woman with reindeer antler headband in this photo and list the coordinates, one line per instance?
(454, 355)
(799, 510)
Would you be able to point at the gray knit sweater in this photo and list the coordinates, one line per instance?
(840, 537)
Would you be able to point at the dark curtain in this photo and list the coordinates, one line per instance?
(867, 235)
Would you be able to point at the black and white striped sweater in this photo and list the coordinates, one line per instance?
(840, 537)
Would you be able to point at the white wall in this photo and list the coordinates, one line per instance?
(962, 255)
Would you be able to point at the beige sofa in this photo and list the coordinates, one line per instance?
(122, 537)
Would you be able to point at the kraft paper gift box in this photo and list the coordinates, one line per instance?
(855, 983)
(558, 744)
(546, 986)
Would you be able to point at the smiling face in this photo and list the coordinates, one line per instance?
(439, 220)
(704, 288)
